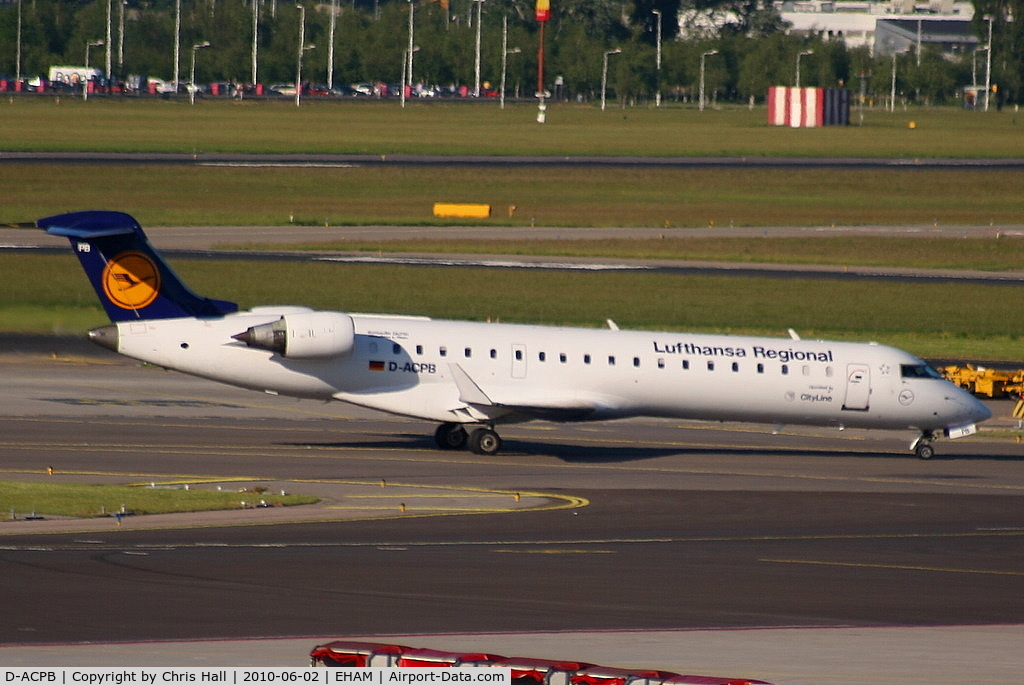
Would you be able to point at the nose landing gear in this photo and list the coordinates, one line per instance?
(922, 446)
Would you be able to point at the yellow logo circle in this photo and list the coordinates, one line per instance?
(131, 280)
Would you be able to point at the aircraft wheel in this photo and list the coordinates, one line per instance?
(484, 441)
(924, 451)
(450, 436)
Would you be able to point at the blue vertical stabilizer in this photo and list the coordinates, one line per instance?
(131, 279)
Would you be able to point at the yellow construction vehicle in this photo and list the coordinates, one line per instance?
(985, 382)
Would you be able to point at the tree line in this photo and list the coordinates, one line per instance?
(749, 54)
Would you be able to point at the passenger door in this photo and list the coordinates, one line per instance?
(858, 387)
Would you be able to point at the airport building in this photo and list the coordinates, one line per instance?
(886, 27)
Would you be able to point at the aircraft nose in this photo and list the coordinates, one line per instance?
(972, 410)
(979, 411)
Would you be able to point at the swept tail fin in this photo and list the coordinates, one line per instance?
(131, 279)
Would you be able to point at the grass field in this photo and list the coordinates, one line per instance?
(549, 196)
(449, 128)
(88, 501)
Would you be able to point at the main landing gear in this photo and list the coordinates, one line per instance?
(480, 440)
(922, 446)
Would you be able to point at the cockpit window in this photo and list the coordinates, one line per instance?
(918, 371)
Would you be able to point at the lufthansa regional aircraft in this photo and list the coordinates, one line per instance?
(470, 377)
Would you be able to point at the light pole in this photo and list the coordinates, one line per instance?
(604, 74)
(542, 13)
(255, 37)
(703, 57)
(407, 69)
(330, 45)
(177, 43)
(109, 42)
(302, 48)
(85, 83)
(798, 56)
(120, 39)
(405, 64)
(657, 92)
(476, 72)
(505, 52)
(988, 65)
(192, 71)
(892, 90)
(17, 68)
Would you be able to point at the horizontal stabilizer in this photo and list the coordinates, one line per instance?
(90, 224)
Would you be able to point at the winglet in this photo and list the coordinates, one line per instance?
(131, 279)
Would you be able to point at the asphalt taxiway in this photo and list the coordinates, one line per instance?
(796, 556)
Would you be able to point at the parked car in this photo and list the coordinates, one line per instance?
(286, 89)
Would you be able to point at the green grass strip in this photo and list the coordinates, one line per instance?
(460, 128)
(558, 197)
(70, 499)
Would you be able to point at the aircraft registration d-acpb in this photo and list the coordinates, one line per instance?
(471, 377)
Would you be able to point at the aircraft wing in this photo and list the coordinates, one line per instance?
(528, 403)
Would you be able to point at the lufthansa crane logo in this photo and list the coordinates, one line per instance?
(131, 280)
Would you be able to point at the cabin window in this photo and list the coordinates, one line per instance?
(611, 360)
(443, 351)
(735, 367)
(806, 370)
(519, 355)
(586, 359)
(661, 363)
(494, 354)
(419, 349)
(829, 371)
(636, 361)
(785, 370)
(686, 365)
(711, 365)
(561, 357)
(396, 348)
(760, 368)
(469, 352)
(542, 356)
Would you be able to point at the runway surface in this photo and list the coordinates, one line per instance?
(799, 557)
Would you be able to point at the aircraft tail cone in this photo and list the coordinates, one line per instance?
(105, 336)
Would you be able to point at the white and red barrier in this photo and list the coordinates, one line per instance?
(806, 107)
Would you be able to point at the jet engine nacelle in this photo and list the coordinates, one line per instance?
(307, 335)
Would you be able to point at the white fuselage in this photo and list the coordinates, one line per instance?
(464, 372)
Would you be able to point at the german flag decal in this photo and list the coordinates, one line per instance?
(376, 366)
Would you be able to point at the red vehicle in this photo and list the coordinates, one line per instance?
(355, 654)
(523, 670)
